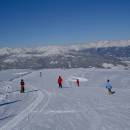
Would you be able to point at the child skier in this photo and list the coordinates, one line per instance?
(22, 86)
(77, 82)
(109, 87)
(60, 80)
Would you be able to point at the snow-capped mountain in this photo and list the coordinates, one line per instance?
(51, 50)
(76, 55)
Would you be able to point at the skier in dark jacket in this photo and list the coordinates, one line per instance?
(22, 86)
(59, 81)
(77, 82)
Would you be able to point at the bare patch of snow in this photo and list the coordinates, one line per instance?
(74, 78)
(106, 65)
(54, 62)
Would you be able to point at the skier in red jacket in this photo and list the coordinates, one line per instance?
(77, 82)
(22, 86)
(60, 80)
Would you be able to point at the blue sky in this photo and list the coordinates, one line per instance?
(27, 23)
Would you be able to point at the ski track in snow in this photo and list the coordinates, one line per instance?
(94, 116)
(68, 111)
(31, 109)
(47, 96)
(17, 119)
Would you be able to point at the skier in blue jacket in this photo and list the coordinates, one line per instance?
(109, 87)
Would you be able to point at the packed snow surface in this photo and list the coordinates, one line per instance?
(44, 106)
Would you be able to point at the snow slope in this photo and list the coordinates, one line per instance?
(44, 106)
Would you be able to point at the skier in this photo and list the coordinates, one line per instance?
(60, 80)
(22, 86)
(77, 82)
(109, 87)
(40, 74)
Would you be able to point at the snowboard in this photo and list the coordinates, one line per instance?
(112, 92)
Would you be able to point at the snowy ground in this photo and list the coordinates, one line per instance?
(44, 106)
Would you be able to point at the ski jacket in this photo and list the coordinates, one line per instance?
(22, 82)
(108, 85)
(59, 80)
(77, 81)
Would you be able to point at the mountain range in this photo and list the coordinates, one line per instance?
(99, 54)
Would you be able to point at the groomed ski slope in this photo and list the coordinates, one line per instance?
(44, 106)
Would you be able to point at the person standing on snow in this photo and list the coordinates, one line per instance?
(60, 80)
(109, 87)
(40, 74)
(77, 82)
(22, 86)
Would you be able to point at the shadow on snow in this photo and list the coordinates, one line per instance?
(30, 91)
(7, 103)
(6, 117)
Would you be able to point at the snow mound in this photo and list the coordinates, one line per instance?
(74, 78)
(106, 65)
(21, 73)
